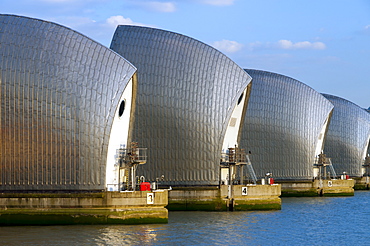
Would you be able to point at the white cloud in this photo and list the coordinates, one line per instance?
(218, 2)
(120, 20)
(166, 7)
(289, 45)
(367, 29)
(256, 45)
(100, 31)
(227, 46)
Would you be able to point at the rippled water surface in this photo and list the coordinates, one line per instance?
(302, 221)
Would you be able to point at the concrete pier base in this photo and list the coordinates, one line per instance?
(225, 198)
(362, 183)
(255, 197)
(139, 207)
(333, 187)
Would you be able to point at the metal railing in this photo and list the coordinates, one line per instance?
(236, 157)
(326, 168)
(131, 156)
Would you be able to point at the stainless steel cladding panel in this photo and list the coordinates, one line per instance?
(59, 91)
(186, 93)
(348, 136)
(282, 125)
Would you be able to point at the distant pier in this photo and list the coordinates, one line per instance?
(362, 183)
(324, 187)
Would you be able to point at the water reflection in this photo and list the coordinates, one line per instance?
(302, 221)
(126, 235)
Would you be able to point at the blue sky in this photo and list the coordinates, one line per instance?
(322, 43)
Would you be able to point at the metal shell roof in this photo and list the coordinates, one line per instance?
(348, 136)
(282, 125)
(186, 93)
(59, 91)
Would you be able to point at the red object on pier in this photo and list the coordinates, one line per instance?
(145, 186)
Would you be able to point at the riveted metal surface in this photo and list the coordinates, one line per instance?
(59, 92)
(282, 125)
(186, 93)
(348, 136)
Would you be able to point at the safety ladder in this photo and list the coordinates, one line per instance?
(251, 172)
(332, 171)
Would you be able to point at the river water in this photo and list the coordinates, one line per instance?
(302, 221)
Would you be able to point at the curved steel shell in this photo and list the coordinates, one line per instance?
(348, 136)
(59, 92)
(186, 95)
(282, 126)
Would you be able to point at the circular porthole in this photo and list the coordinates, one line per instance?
(240, 98)
(121, 108)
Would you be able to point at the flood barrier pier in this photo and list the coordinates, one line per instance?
(317, 187)
(225, 198)
(135, 207)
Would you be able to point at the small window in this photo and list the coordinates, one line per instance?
(233, 122)
(240, 98)
(121, 108)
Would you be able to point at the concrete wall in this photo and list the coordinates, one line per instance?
(253, 190)
(258, 197)
(196, 199)
(85, 200)
(333, 187)
(362, 183)
(88, 208)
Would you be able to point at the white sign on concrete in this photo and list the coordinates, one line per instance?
(150, 198)
(244, 191)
